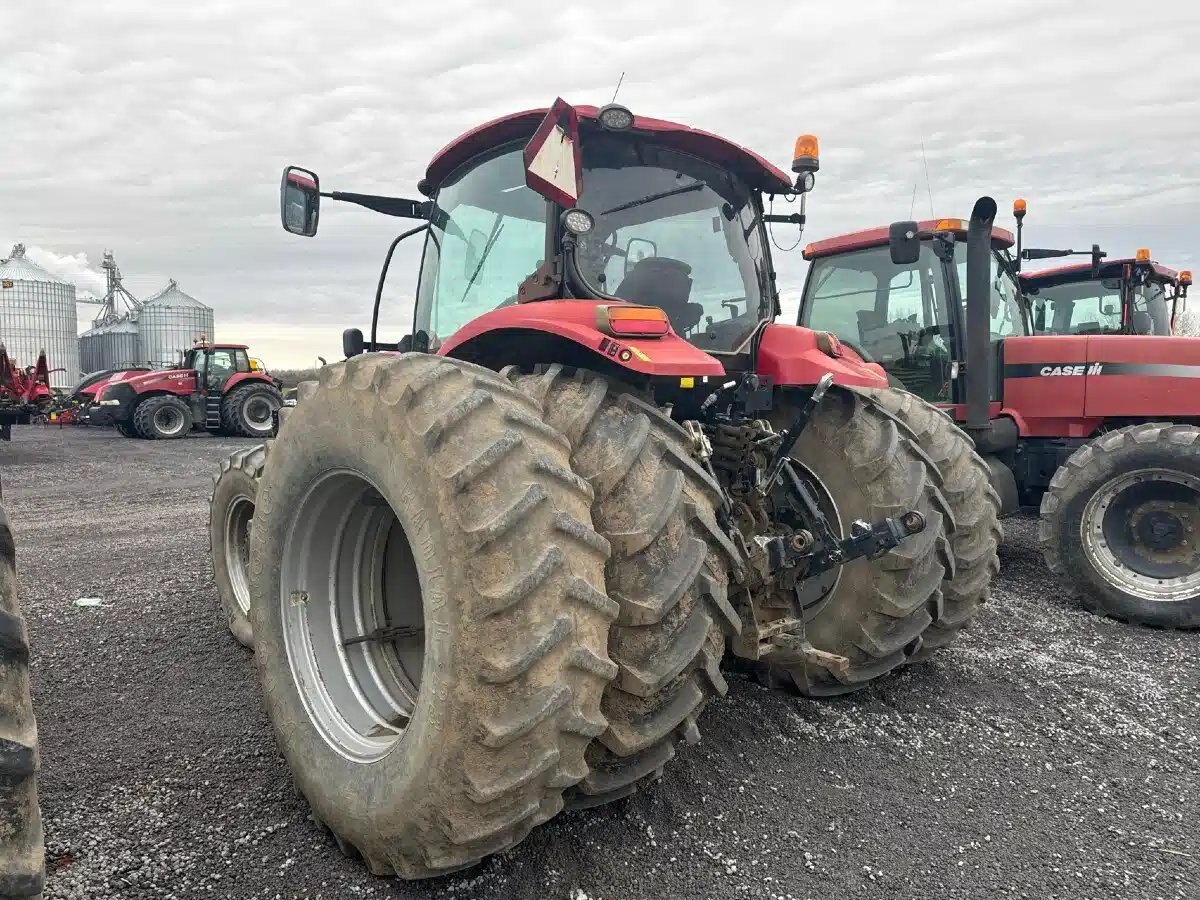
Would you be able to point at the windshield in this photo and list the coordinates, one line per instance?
(1004, 298)
(487, 235)
(1094, 306)
(675, 232)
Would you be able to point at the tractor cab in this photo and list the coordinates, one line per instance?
(216, 364)
(659, 229)
(908, 316)
(1126, 296)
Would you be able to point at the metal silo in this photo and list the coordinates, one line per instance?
(89, 350)
(170, 322)
(37, 312)
(119, 345)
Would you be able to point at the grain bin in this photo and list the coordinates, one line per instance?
(89, 350)
(119, 345)
(169, 323)
(37, 312)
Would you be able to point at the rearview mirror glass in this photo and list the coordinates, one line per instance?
(638, 249)
(1108, 309)
(300, 201)
(903, 243)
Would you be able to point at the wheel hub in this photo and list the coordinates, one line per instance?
(1140, 531)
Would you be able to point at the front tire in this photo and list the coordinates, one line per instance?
(248, 410)
(162, 418)
(417, 492)
(230, 513)
(1120, 525)
(21, 841)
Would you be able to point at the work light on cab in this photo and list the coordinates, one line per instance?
(615, 117)
(578, 221)
(632, 321)
(1143, 254)
(1185, 277)
(1019, 208)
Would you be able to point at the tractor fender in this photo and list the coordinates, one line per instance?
(792, 357)
(240, 378)
(565, 331)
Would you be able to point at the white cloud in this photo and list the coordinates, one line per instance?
(159, 129)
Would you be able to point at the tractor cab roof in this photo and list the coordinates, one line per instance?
(212, 346)
(757, 172)
(1109, 268)
(878, 237)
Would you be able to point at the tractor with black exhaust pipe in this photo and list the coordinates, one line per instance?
(492, 568)
(1098, 426)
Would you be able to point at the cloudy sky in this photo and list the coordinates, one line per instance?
(159, 129)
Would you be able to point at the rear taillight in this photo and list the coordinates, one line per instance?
(632, 321)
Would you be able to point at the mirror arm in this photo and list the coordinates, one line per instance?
(379, 288)
(790, 219)
(389, 206)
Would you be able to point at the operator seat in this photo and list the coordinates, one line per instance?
(666, 283)
(1142, 323)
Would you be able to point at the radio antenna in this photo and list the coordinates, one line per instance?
(928, 187)
(619, 80)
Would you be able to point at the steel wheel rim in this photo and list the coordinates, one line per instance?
(815, 593)
(168, 420)
(257, 412)
(238, 519)
(1166, 506)
(347, 571)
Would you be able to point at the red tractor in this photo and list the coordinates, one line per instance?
(492, 567)
(1074, 392)
(217, 388)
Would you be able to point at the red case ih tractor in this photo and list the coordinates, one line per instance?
(493, 567)
(1075, 394)
(217, 388)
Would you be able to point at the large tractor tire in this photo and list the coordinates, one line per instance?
(248, 410)
(1121, 524)
(430, 621)
(127, 430)
(162, 418)
(21, 842)
(974, 521)
(230, 513)
(669, 572)
(863, 465)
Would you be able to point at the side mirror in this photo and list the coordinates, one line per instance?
(300, 201)
(904, 244)
(1108, 309)
(638, 249)
(352, 342)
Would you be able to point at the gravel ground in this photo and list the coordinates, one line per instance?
(1048, 754)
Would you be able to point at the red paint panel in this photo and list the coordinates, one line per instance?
(575, 320)
(878, 237)
(790, 356)
(1040, 400)
(172, 381)
(1143, 395)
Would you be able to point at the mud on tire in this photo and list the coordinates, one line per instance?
(876, 615)
(21, 842)
(973, 522)
(230, 512)
(452, 476)
(1081, 534)
(668, 571)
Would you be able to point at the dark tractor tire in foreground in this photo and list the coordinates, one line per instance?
(127, 429)
(21, 842)
(430, 622)
(230, 512)
(1121, 525)
(873, 620)
(974, 521)
(246, 411)
(669, 573)
(162, 418)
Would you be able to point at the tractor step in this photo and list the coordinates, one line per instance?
(212, 412)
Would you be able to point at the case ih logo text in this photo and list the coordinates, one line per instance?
(1090, 369)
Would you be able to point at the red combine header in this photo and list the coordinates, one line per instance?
(24, 393)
